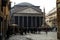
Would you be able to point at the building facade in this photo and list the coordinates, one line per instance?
(27, 16)
(58, 18)
(4, 17)
(51, 18)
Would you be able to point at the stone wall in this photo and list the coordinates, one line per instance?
(58, 18)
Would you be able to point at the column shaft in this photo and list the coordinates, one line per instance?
(31, 21)
(18, 20)
(35, 22)
(27, 22)
(39, 21)
(13, 19)
(23, 21)
(18, 23)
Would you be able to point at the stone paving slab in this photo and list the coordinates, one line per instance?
(18, 37)
(41, 36)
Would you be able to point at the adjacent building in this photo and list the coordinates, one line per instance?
(4, 17)
(58, 18)
(51, 18)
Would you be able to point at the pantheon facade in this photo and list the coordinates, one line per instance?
(27, 15)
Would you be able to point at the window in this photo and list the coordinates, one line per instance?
(9, 6)
(4, 2)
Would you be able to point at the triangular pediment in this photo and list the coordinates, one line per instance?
(28, 10)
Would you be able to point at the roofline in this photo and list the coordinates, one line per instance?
(50, 12)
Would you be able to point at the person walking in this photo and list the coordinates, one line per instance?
(46, 30)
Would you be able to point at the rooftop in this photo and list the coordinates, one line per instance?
(25, 4)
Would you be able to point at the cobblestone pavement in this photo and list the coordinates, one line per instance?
(41, 36)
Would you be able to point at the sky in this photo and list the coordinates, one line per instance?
(47, 4)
